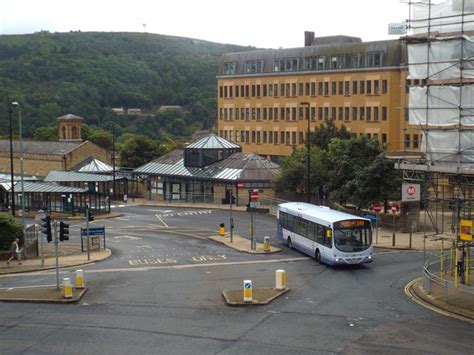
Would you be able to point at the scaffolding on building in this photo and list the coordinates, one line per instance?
(440, 50)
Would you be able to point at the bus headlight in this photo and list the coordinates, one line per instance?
(369, 257)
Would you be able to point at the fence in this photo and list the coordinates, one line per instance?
(438, 280)
(30, 237)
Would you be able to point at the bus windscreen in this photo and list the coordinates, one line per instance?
(352, 235)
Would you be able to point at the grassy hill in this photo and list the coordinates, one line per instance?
(87, 73)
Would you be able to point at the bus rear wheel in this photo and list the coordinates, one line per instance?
(317, 256)
(289, 243)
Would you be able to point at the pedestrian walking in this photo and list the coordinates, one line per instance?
(15, 251)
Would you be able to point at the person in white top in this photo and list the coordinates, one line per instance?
(15, 251)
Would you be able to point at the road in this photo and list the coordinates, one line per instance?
(161, 292)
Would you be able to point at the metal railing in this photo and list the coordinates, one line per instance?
(438, 280)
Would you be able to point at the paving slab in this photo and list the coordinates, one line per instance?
(260, 296)
(39, 294)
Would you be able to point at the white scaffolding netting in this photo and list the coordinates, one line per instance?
(442, 16)
(443, 59)
(449, 148)
(442, 106)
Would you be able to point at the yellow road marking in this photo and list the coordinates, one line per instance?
(429, 306)
(129, 237)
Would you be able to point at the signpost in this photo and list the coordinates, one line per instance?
(254, 195)
(410, 192)
(394, 209)
(375, 221)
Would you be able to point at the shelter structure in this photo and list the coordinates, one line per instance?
(206, 170)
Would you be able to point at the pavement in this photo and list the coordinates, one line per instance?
(402, 240)
(70, 256)
(243, 244)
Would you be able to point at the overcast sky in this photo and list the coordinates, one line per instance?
(260, 23)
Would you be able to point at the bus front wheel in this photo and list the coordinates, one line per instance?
(289, 243)
(317, 256)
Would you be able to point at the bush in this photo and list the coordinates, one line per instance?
(10, 229)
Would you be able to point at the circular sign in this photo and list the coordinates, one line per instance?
(377, 207)
(411, 190)
(87, 200)
(394, 208)
(248, 285)
(254, 196)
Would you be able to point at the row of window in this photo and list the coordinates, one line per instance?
(280, 137)
(339, 61)
(308, 229)
(409, 143)
(326, 88)
(369, 113)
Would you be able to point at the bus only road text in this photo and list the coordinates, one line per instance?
(159, 261)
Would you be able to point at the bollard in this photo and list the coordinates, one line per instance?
(67, 288)
(80, 283)
(248, 291)
(266, 244)
(222, 229)
(280, 280)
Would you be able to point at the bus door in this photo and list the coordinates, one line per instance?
(325, 240)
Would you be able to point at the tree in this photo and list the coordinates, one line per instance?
(139, 150)
(102, 138)
(10, 229)
(322, 135)
(46, 134)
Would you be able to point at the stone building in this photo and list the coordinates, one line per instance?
(39, 157)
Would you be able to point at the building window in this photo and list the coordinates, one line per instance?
(384, 138)
(247, 137)
(275, 113)
(362, 113)
(237, 91)
(221, 91)
(300, 89)
(362, 87)
(293, 138)
(354, 113)
(247, 90)
(333, 113)
(369, 113)
(237, 113)
(320, 88)
(258, 137)
(254, 114)
(374, 59)
(384, 113)
(326, 88)
(376, 87)
(265, 113)
(415, 141)
(300, 138)
(270, 137)
(346, 114)
(321, 61)
(293, 113)
(242, 93)
(293, 89)
(264, 137)
(326, 113)
(384, 86)
(333, 62)
(407, 141)
(306, 86)
(275, 137)
(253, 90)
(282, 137)
(270, 113)
(225, 91)
(376, 137)
(313, 113)
(247, 114)
(369, 87)
(288, 113)
(354, 88)
(275, 89)
(341, 88)
(347, 88)
(333, 88)
(287, 138)
(341, 113)
(313, 88)
(270, 90)
(258, 114)
(355, 61)
(320, 113)
(230, 91)
(300, 113)
(253, 66)
(242, 136)
(258, 90)
(376, 113)
(253, 137)
(229, 68)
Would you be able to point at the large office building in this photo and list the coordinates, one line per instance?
(268, 98)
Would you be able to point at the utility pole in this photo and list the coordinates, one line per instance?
(12, 189)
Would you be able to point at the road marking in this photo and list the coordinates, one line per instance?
(129, 237)
(144, 247)
(161, 220)
(209, 257)
(186, 213)
(431, 307)
(123, 219)
(156, 261)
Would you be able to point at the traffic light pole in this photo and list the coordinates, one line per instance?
(56, 248)
(231, 219)
(87, 227)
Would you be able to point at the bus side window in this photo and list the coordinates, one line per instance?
(320, 234)
(311, 231)
(326, 241)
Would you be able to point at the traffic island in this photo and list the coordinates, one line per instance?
(243, 244)
(40, 294)
(261, 296)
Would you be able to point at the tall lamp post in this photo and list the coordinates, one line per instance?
(17, 105)
(308, 153)
(113, 157)
(10, 111)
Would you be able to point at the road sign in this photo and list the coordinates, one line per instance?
(371, 216)
(87, 200)
(240, 184)
(397, 28)
(410, 192)
(394, 208)
(377, 207)
(93, 231)
(465, 232)
(254, 196)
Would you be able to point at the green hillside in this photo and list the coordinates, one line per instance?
(86, 74)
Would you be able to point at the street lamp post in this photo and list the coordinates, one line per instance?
(308, 153)
(113, 157)
(10, 111)
(16, 104)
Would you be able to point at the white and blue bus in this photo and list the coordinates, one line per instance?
(330, 236)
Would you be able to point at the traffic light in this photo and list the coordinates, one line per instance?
(46, 228)
(232, 199)
(63, 231)
(90, 216)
